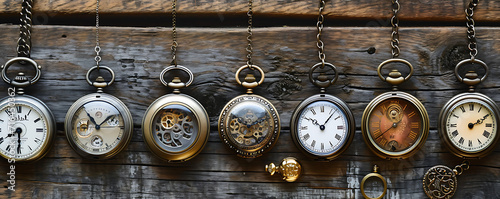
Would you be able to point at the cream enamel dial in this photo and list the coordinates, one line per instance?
(98, 127)
(469, 125)
(26, 128)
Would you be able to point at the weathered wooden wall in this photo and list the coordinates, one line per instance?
(137, 55)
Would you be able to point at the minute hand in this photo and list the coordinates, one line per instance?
(328, 119)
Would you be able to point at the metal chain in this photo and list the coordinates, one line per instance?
(471, 32)
(174, 33)
(24, 41)
(97, 48)
(395, 28)
(249, 37)
(319, 26)
(459, 169)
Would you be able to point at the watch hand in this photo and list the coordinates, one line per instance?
(479, 121)
(92, 119)
(394, 125)
(328, 119)
(109, 117)
(19, 131)
(314, 121)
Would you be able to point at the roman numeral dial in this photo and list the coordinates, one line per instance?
(475, 127)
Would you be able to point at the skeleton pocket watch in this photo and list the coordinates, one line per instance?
(27, 126)
(322, 126)
(176, 126)
(395, 124)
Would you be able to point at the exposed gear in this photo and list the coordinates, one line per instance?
(175, 125)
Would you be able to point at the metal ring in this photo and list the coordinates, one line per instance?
(96, 84)
(379, 69)
(178, 67)
(250, 67)
(377, 176)
(472, 61)
(316, 82)
(23, 83)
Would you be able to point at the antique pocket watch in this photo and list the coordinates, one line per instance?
(176, 126)
(468, 123)
(395, 124)
(26, 123)
(322, 126)
(98, 125)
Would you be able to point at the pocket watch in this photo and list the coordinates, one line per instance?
(249, 124)
(28, 123)
(176, 126)
(98, 125)
(395, 124)
(322, 126)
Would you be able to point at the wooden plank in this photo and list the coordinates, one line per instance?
(377, 11)
(137, 55)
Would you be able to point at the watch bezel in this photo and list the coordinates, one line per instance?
(462, 99)
(351, 126)
(122, 109)
(367, 135)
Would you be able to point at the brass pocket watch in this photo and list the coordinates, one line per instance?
(176, 126)
(395, 124)
(27, 125)
(249, 124)
(98, 125)
(468, 123)
(322, 126)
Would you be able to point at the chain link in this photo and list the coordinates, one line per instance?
(395, 28)
(459, 169)
(97, 48)
(24, 41)
(319, 26)
(174, 33)
(471, 32)
(249, 48)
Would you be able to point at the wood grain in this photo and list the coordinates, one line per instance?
(137, 55)
(421, 10)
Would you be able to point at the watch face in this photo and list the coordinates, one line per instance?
(322, 128)
(395, 125)
(249, 124)
(25, 136)
(97, 127)
(175, 128)
(471, 126)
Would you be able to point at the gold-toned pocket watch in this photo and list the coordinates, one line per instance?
(468, 122)
(98, 125)
(249, 124)
(27, 126)
(176, 126)
(322, 126)
(395, 124)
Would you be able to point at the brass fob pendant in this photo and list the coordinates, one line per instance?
(98, 125)
(176, 126)
(289, 169)
(249, 124)
(440, 182)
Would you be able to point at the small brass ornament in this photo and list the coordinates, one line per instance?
(289, 169)
(375, 174)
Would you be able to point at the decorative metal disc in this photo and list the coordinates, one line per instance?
(440, 182)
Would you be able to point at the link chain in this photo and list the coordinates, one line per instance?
(459, 169)
(174, 33)
(395, 28)
(249, 48)
(24, 41)
(319, 26)
(97, 48)
(471, 32)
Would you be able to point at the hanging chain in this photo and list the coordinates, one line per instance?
(395, 28)
(249, 37)
(97, 48)
(319, 26)
(174, 33)
(24, 42)
(459, 169)
(471, 32)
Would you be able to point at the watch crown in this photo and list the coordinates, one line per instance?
(21, 77)
(395, 77)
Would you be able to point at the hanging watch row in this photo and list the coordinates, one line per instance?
(176, 126)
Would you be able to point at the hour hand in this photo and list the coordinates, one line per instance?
(314, 121)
